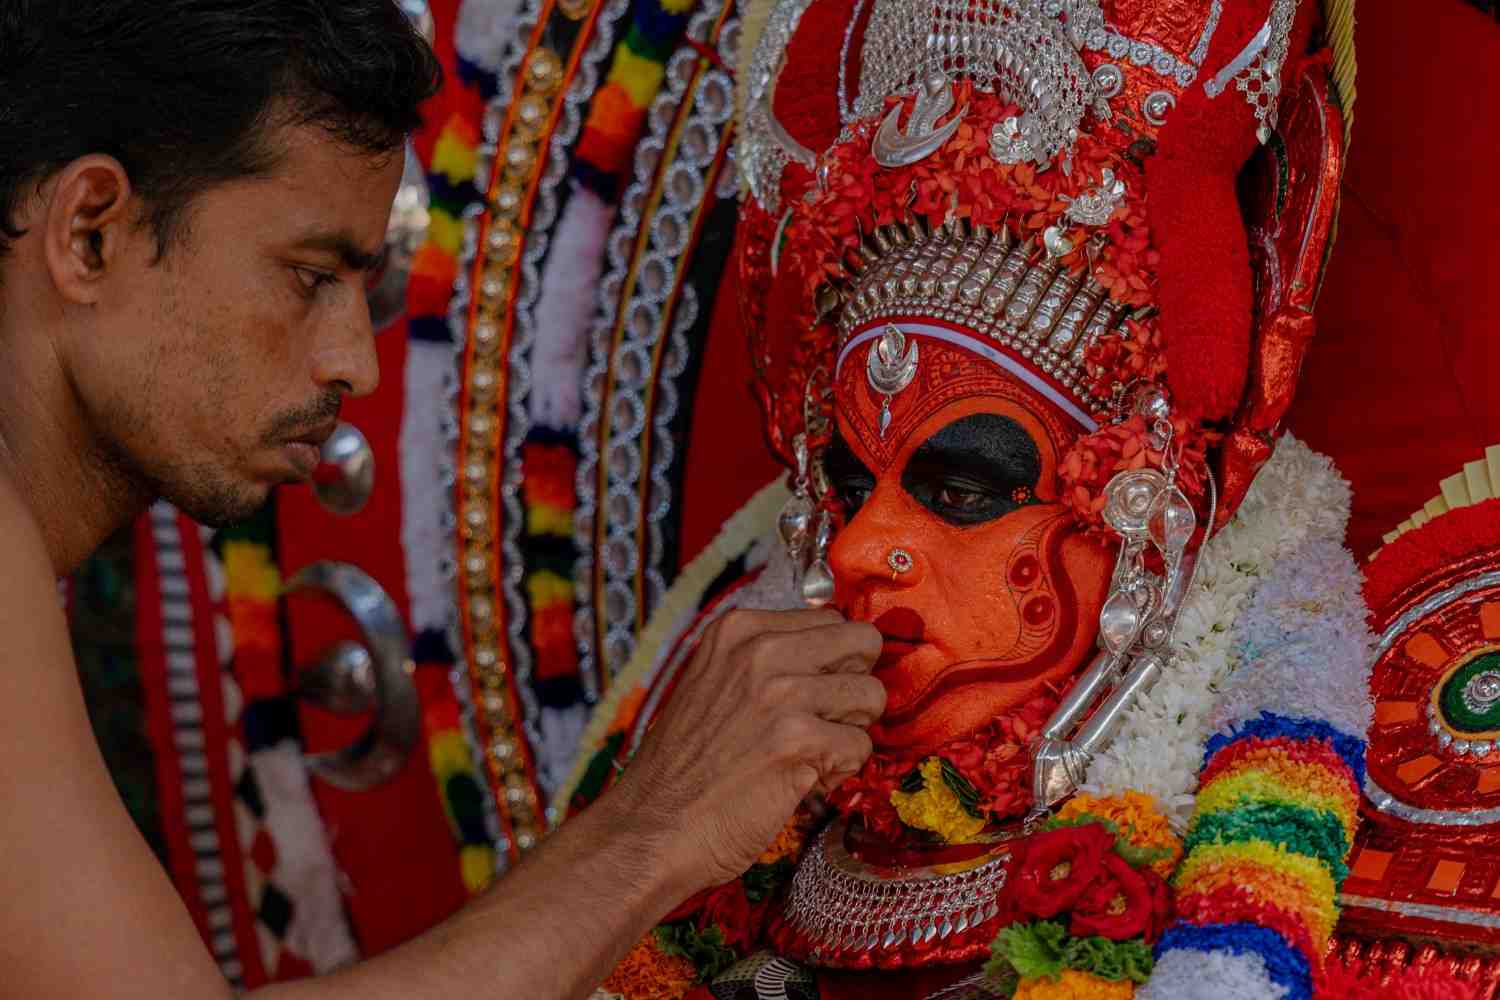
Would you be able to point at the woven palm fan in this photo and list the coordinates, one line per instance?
(1479, 481)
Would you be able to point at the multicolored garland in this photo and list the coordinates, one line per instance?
(1278, 796)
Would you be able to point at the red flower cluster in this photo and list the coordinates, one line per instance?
(1093, 460)
(1075, 869)
(996, 760)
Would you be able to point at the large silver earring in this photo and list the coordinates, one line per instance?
(1147, 509)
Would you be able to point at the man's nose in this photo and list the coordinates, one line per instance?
(346, 355)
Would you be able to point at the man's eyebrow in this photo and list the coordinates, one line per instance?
(344, 247)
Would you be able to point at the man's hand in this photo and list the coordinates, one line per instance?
(772, 706)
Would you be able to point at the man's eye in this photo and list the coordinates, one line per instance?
(313, 280)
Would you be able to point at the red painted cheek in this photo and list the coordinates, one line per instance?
(1039, 610)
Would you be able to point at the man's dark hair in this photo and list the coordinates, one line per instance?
(184, 92)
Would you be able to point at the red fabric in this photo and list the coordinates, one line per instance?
(807, 92)
(392, 841)
(1417, 555)
(1197, 225)
(1398, 385)
(727, 459)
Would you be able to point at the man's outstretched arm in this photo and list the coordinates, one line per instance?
(772, 707)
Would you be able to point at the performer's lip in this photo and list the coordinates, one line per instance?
(903, 631)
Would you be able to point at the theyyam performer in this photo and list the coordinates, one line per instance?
(1027, 287)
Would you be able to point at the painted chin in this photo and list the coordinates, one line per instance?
(930, 699)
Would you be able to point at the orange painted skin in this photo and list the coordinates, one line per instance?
(994, 607)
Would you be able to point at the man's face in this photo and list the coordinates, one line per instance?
(215, 373)
(1000, 594)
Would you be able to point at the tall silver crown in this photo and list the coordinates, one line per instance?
(1010, 292)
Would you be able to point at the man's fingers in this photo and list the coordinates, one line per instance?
(841, 751)
(851, 699)
(845, 647)
(741, 624)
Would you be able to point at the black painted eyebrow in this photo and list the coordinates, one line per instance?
(842, 464)
(988, 446)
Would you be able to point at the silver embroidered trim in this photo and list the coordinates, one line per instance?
(1389, 804)
(842, 904)
(1256, 71)
(642, 306)
(511, 58)
(1426, 911)
(1435, 602)
(760, 158)
(1091, 31)
(518, 421)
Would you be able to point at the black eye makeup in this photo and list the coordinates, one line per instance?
(976, 469)
(852, 482)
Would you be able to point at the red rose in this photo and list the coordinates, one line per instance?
(728, 908)
(1058, 866)
(1119, 905)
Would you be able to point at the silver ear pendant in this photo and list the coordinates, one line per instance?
(795, 522)
(891, 366)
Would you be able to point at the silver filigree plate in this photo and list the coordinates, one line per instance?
(846, 905)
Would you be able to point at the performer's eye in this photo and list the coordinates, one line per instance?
(958, 497)
(852, 482)
(976, 469)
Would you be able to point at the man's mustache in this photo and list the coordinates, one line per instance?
(319, 412)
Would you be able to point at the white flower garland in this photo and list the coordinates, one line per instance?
(1297, 498)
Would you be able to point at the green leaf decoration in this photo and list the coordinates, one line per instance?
(705, 949)
(1140, 857)
(1112, 960)
(1034, 949)
(762, 881)
(967, 794)
(911, 782)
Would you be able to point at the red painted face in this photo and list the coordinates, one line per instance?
(956, 547)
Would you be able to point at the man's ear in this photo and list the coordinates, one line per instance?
(86, 225)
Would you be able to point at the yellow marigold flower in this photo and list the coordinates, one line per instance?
(935, 808)
(1074, 985)
(648, 973)
(1136, 817)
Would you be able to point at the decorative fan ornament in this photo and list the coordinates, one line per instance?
(1479, 481)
